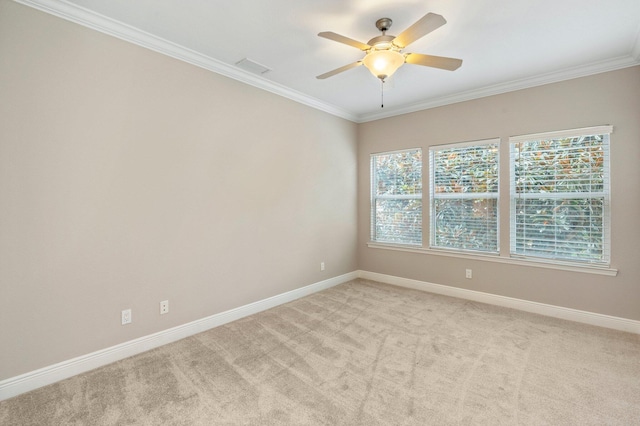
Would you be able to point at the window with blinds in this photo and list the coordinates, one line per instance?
(559, 193)
(464, 196)
(396, 197)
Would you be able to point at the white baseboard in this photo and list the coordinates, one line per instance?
(576, 315)
(32, 380)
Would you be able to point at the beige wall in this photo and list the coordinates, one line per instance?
(609, 98)
(127, 178)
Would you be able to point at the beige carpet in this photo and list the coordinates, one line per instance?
(361, 353)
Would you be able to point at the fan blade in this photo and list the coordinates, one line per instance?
(421, 28)
(345, 40)
(339, 70)
(441, 62)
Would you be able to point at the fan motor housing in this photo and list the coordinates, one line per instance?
(381, 42)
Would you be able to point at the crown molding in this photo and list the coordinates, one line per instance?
(95, 21)
(90, 19)
(511, 86)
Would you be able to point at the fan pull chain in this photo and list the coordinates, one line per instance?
(382, 93)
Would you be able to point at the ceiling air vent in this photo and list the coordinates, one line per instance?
(252, 66)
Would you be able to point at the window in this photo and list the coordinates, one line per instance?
(464, 196)
(396, 197)
(560, 195)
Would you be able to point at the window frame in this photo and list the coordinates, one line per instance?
(433, 196)
(374, 197)
(605, 194)
(504, 223)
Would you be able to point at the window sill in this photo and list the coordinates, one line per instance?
(588, 269)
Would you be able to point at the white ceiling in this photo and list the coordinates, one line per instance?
(505, 44)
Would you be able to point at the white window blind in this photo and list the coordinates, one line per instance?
(464, 196)
(396, 197)
(559, 188)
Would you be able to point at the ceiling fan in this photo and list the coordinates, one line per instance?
(384, 53)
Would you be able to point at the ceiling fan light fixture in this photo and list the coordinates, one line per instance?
(384, 54)
(383, 63)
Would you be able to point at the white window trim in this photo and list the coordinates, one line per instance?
(541, 263)
(595, 130)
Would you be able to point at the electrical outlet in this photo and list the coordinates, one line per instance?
(164, 307)
(322, 266)
(126, 316)
(469, 274)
